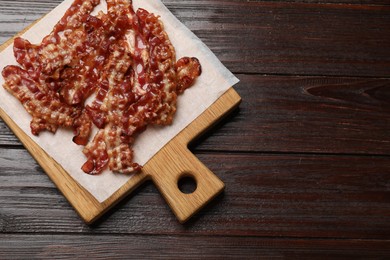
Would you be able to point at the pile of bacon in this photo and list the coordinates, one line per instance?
(122, 59)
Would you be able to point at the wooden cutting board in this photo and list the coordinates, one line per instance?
(165, 169)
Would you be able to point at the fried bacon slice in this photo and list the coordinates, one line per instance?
(46, 108)
(187, 70)
(122, 59)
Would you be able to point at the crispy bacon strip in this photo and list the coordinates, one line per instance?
(107, 111)
(57, 50)
(160, 71)
(187, 71)
(47, 110)
(124, 57)
(39, 78)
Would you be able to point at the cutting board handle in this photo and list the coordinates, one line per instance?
(179, 162)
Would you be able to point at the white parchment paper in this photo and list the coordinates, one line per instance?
(214, 81)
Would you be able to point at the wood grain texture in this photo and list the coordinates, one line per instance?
(292, 38)
(299, 114)
(147, 247)
(305, 159)
(307, 114)
(280, 38)
(266, 195)
(165, 169)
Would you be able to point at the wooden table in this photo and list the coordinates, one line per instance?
(305, 159)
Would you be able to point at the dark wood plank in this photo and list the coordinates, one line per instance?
(218, 2)
(147, 247)
(7, 138)
(299, 114)
(266, 195)
(16, 15)
(351, 2)
(280, 38)
(293, 38)
(307, 114)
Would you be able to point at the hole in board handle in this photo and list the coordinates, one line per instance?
(187, 183)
